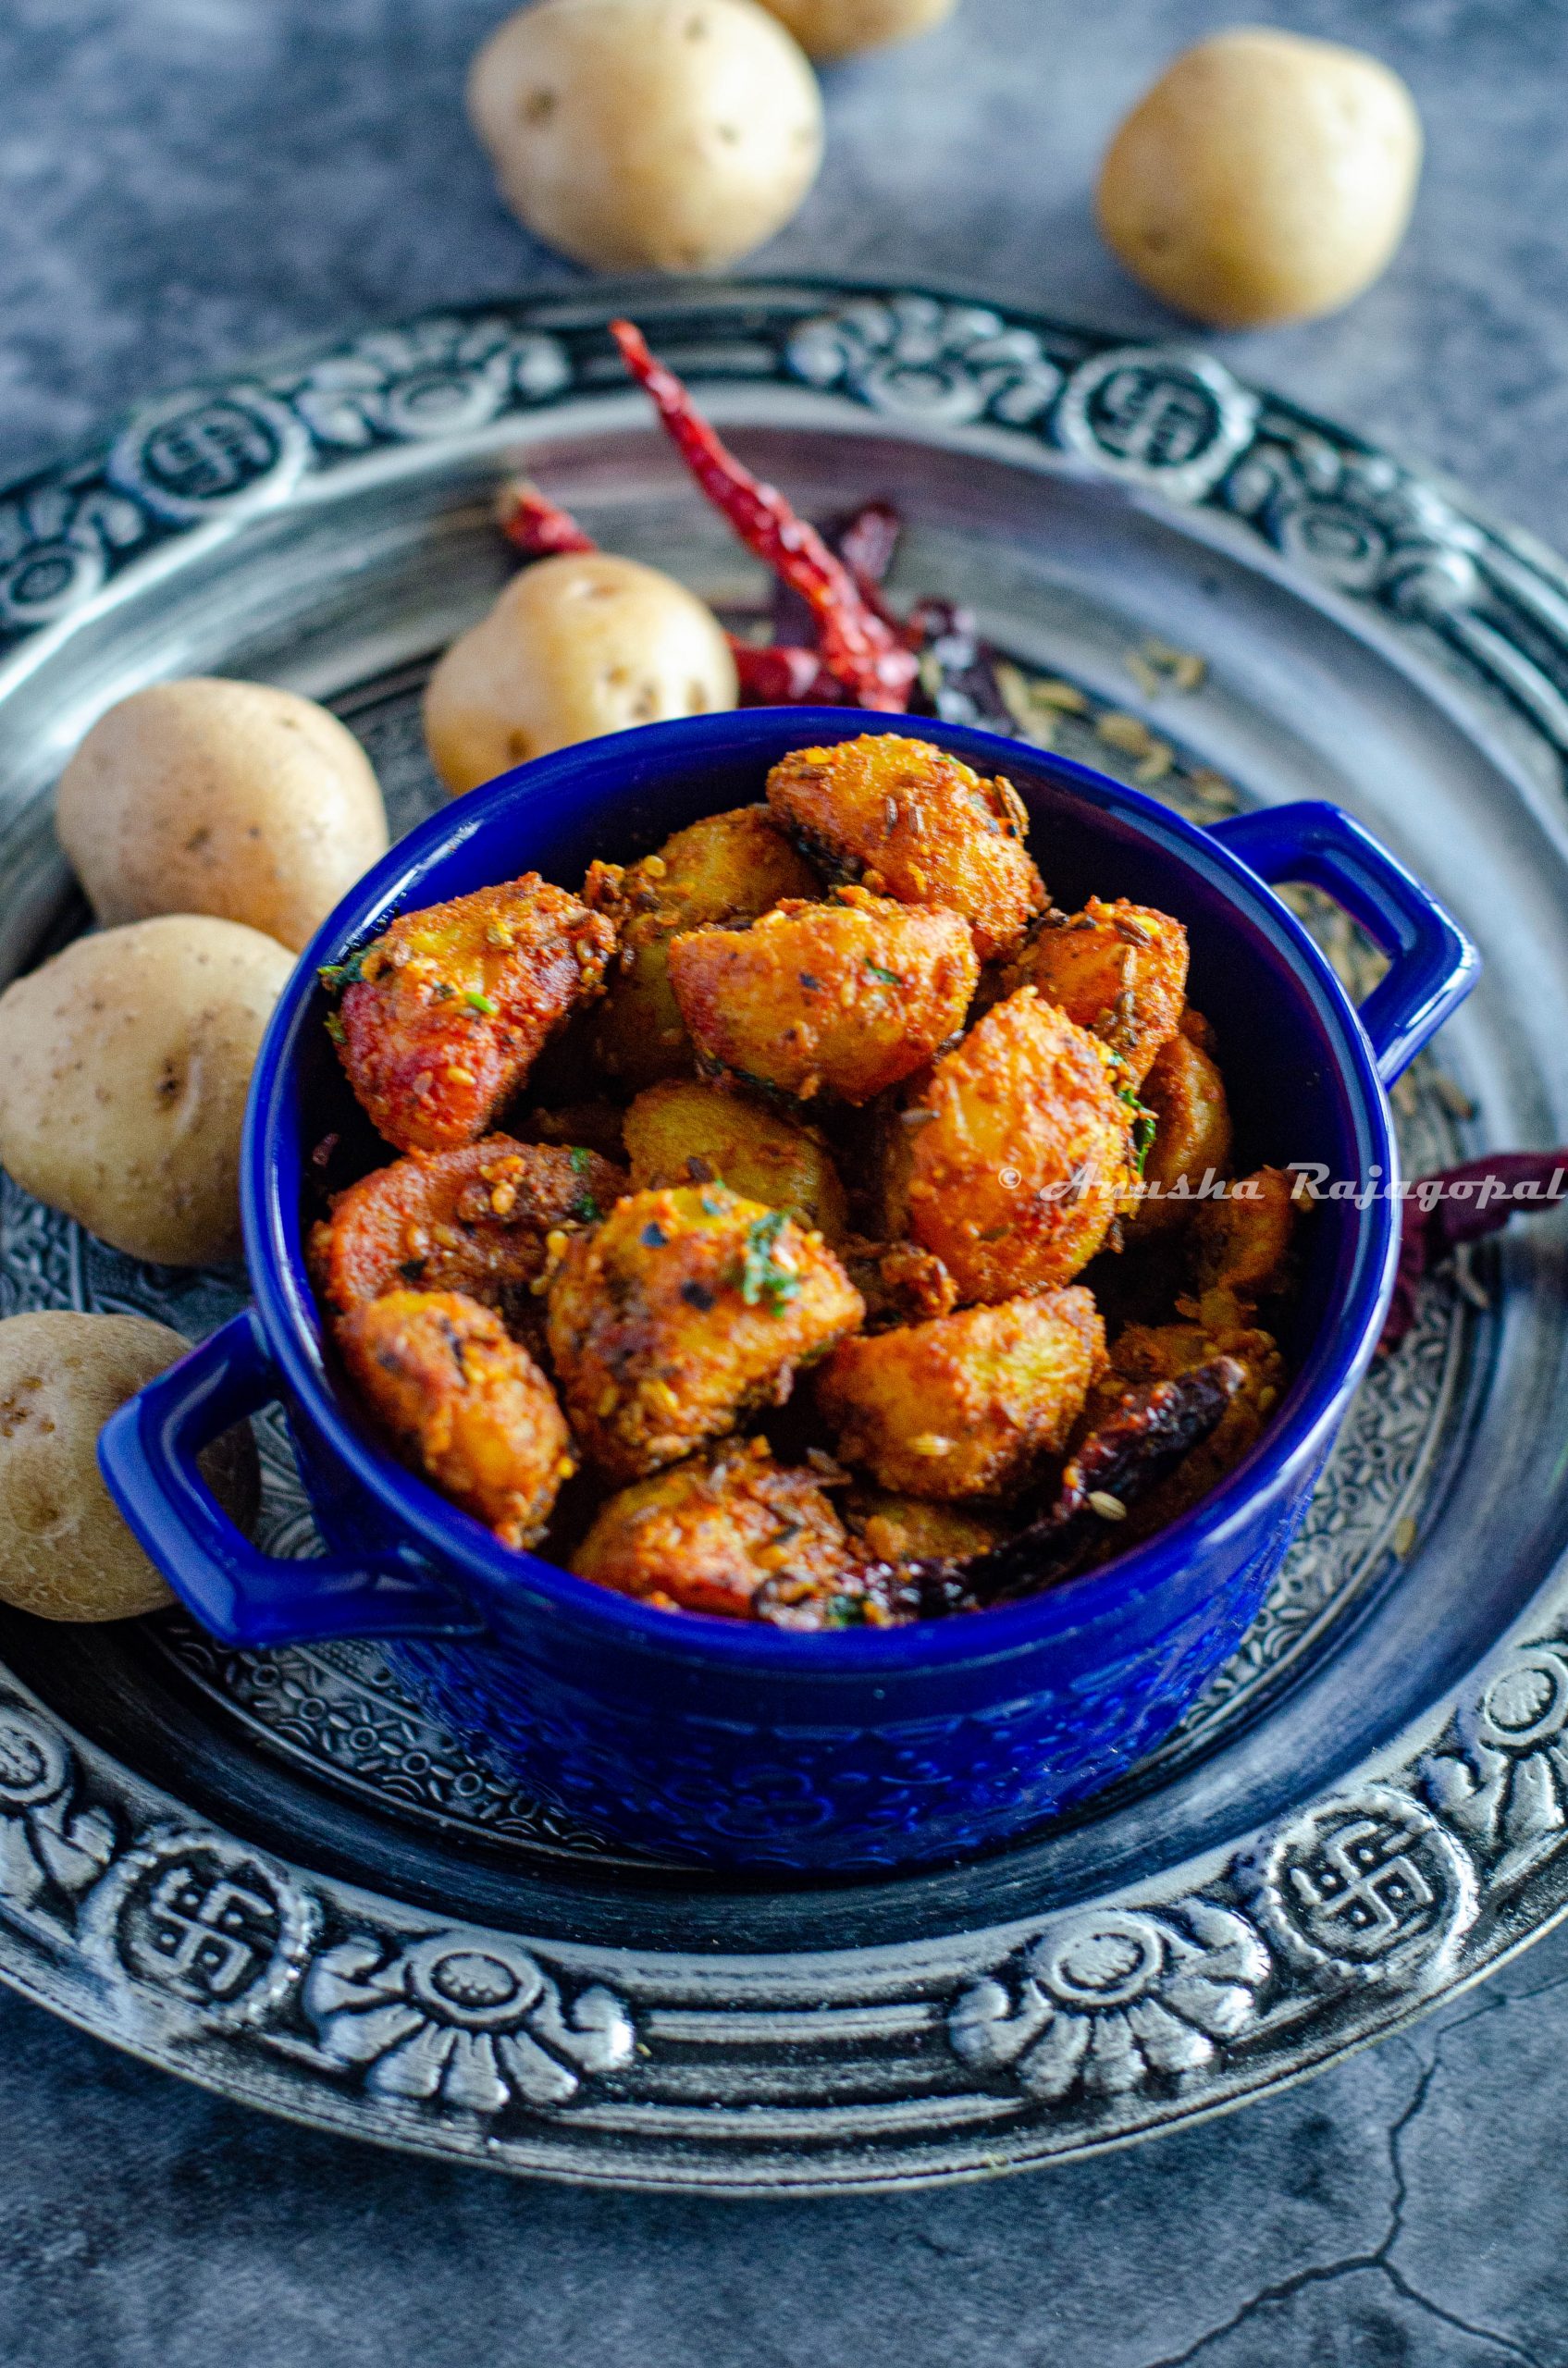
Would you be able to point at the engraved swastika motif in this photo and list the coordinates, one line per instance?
(1365, 1888)
(1164, 417)
(207, 455)
(198, 1916)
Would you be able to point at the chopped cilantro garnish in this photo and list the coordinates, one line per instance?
(1143, 1124)
(477, 1001)
(585, 1209)
(347, 973)
(335, 1027)
(888, 978)
(579, 1159)
(761, 1275)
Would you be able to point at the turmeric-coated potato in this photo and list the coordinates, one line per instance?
(848, 997)
(475, 1220)
(1186, 1095)
(443, 1016)
(1119, 969)
(687, 1132)
(1242, 1244)
(893, 1528)
(728, 866)
(911, 822)
(467, 1405)
(1145, 1352)
(232, 798)
(577, 646)
(64, 1550)
(682, 1311)
(1015, 1178)
(970, 1404)
(707, 1533)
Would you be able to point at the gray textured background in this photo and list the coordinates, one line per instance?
(185, 181)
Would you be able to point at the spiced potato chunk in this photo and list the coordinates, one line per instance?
(895, 1528)
(1185, 1094)
(476, 1220)
(848, 997)
(911, 822)
(442, 1018)
(467, 1405)
(684, 1309)
(686, 1132)
(705, 1535)
(1241, 1244)
(1019, 1160)
(969, 1404)
(1145, 1352)
(727, 867)
(1119, 969)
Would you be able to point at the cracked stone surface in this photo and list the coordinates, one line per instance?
(184, 183)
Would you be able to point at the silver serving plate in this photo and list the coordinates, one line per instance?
(268, 1871)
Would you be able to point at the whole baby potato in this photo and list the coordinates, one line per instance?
(65, 1553)
(233, 798)
(830, 29)
(673, 135)
(578, 644)
(124, 1066)
(1264, 178)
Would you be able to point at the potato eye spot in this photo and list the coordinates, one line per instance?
(539, 106)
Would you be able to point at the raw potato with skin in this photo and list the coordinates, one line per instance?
(729, 866)
(476, 1220)
(636, 135)
(444, 1015)
(830, 29)
(848, 998)
(64, 1552)
(230, 798)
(909, 822)
(705, 1535)
(1016, 1175)
(124, 1066)
(1266, 176)
(968, 1405)
(681, 1311)
(577, 646)
(465, 1403)
(735, 1138)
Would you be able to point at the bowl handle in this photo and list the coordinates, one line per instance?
(147, 1452)
(1432, 964)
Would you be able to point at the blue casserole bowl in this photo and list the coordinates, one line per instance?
(740, 1745)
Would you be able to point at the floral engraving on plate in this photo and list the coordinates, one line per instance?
(437, 378)
(205, 1920)
(1109, 1997)
(462, 2019)
(1365, 1887)
(952, 362)
(50, 1850)
(1500, 1775)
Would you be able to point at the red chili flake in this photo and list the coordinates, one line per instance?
(539, 528)
(858, 649)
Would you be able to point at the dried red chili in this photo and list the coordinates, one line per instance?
(537, 526)
(859, 649)
(1464, 1203)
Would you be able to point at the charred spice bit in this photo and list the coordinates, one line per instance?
(859, 649)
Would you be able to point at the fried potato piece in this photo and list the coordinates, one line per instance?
(727, 867)
(467, 1405)
(682, 1311)
(1119, 969)
(911, 822)
(705, 1535)
(1186, 1093)
(686, 1132)
(968, 1405)
(850, 997)
(893, 1528)
(1015, 1178)
(1242, 1244)
(474, 1220)
(1143, 1353)
(443, 1016)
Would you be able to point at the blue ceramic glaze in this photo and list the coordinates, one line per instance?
(740, 1745)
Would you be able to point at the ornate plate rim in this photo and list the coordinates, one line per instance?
(1055, 2035)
